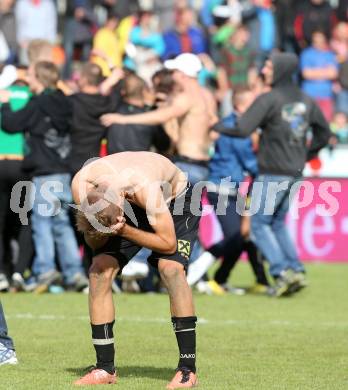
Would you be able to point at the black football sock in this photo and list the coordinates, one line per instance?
(103, 341)
(185, 331)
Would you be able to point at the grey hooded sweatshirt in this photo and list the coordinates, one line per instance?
(286, 116)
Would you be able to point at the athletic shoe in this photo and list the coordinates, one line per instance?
(4, 284)
(299, 281)
(216, 288)
(283, 284)
(261, 289)
(7, 356)
(210, 288)
(18, 282)
(184, 378)
(233, 290)
(97, 377)
(79, 283)
(199, 267)
(42, 283)
(50, 277)
(31, 284)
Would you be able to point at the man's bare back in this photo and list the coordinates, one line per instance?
(130, 173)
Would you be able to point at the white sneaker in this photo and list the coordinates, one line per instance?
(135, 270)
(18, 282)
(7, 356)
(4, 283)
(199, 267)
(203, 288)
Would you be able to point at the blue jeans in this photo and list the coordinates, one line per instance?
(269, 231)
(4, 338)
(52, 228)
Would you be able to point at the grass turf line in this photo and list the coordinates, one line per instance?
(244, 343)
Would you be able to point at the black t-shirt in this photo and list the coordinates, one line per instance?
(135, 138)
(87, 130)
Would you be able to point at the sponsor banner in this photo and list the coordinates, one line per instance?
(318, 237)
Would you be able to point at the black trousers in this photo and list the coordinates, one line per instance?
(233, 245)
(10, 226)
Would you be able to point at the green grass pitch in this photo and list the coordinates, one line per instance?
(245, 342)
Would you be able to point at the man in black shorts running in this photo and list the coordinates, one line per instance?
(127, 201)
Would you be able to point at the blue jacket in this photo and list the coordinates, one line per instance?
(173, 44)
(233, 156)
(152, 41)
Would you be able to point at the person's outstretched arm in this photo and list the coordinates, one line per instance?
(251, 120)
(179, 107)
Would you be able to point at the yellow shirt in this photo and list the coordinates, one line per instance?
(123, 31)
(106, 41)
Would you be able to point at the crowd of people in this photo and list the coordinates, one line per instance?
(81, 79)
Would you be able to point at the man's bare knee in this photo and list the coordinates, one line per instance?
(171, 270)
(102, 273)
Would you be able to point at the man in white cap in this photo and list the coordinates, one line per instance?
(195, 109)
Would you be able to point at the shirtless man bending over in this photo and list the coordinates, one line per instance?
(195, 109)
(127, 201)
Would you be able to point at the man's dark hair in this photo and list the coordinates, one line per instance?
(92, 73)
(163, 81)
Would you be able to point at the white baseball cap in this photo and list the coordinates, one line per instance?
(187, 63)
(222, 11)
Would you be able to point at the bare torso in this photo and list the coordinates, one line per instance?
(194, 127)
(131, 173)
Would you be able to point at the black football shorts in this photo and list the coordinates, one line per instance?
(186, 229)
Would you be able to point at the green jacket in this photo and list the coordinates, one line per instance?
(13, 144)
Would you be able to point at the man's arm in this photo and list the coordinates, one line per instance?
(163, 239)
(251, 120)
(16, 121)
(321, 132)
(179, 107)
(328, 73)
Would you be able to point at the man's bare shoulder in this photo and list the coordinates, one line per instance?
(182, 99)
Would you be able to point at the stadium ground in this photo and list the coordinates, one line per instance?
(244, 342)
